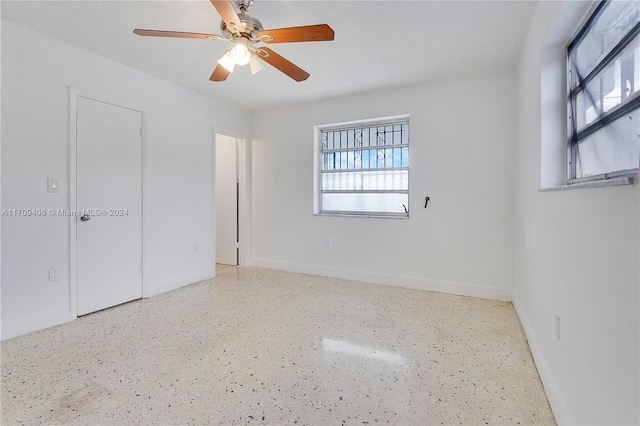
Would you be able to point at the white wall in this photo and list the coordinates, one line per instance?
(36, 74)
(576, 251)
(461, 156)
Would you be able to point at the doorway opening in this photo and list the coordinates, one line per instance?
(230, 195)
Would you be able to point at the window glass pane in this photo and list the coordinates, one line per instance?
(370, 203)
(612, 86)
(397, 129)
(365, 159)
(389, 135)
(357, 158)
(380, 158)
(365, 136)
(405, 133)
(366, 180)
(350, 138)
(380, 136)
(328, 161)
(613, 22)
(357, 134)
(615, 147)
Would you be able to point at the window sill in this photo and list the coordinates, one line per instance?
(364, 216)
(595, 184)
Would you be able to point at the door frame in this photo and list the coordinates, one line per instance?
(74, 94)
(244, 194)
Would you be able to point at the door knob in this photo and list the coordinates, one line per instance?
(85, 218)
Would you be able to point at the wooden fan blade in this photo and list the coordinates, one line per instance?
(178, 34)
(228, 14)
(321, 32)
(219, 74)
(277, 61)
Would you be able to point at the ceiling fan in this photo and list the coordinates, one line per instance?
(246, 32)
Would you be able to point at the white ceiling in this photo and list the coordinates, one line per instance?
(377, 44)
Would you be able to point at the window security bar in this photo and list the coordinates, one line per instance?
(380, 169)
(366, 148)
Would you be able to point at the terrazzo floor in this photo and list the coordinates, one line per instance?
(221, 267)
(256, 346)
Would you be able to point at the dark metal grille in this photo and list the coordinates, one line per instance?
(378, 147)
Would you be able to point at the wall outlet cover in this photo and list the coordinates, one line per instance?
(53, 184)
(53, 274)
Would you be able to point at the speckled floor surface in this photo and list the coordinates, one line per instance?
(221, 267)
(255, 346)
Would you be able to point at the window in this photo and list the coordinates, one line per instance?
(362, 168)
(604, 94)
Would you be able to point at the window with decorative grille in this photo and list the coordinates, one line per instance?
(604, 94)
(362, 168)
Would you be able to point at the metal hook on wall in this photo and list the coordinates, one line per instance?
(426, 200)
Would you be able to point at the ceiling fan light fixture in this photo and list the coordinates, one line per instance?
(244, 31)
(255, 64)
(227, 62)
(240, 52)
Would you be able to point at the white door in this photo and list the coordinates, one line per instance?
(109, 186)
(226, 200)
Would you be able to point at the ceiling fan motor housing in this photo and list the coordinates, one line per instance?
(251, 25)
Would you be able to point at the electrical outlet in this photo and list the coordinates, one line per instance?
(197, 249)
(556, 328)
(53, 274)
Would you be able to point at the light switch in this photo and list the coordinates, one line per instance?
(53, 184)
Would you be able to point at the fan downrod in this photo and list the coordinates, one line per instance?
(244, 5)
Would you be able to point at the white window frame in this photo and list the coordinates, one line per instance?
(574, 136)
(317, 166)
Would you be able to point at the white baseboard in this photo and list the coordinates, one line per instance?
(390, 280)
(40, 322)
(556, 400)
(165, 286)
